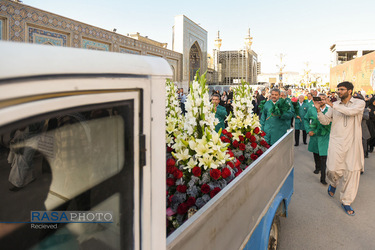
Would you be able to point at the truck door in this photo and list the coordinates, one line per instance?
(71, 143)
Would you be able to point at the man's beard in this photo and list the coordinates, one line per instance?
(344, 96)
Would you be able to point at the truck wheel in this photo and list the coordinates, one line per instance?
(273, 240)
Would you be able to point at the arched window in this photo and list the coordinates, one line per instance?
(195, 56)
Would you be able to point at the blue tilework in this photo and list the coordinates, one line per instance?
(1, 29)
(40, 36)
(129, 51)
(88, 44)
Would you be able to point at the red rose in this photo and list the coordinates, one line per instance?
(268, 146)
(241, 158)
(242, 146)
(196, 171)
(241, 138)
(215, 191)
(229, 135)
(181, 188)
(215, 173)
(182, 208)
(238, 173)
(254, 144)
(263, 134)
(190, 201)
(248, 134)
(223, 138)
(171, 169)
(170, 198)
(225, 173)
(235, 143)
(231, 154)
(178, 174)
(205, 189)
(253, 138)
(230, 164)
(253, 157)
(263, 143)
(238, 163)
(259, 152)
(170, 182)
(227, 140)
(224, 132)
(256, 130)
(169, 149)
(171, 162)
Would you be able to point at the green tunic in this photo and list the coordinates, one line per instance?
(319, 141)
(288, 123)
(220, 114)
(299, 124)
(274, 126)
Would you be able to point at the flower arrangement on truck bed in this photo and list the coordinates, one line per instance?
(200, 161)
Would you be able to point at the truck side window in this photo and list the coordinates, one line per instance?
(79, 159)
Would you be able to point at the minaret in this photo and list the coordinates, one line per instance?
(248, 41)
(216, 51)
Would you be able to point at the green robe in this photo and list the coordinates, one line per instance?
(299, 124)
(274, 126)
(288, 123)
(319, 141)
(221, 114)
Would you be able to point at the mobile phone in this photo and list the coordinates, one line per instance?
(317, 99)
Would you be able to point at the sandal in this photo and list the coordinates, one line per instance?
(331, 190)
(348, 208)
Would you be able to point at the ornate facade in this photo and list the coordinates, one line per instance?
(22, 23)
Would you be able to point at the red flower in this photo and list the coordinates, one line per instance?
(170, 198)
(169, 149)
(190, 201)
(170, 182)
(215, 173)
(253, 138)
(263, 134)
(238, 173)
(241, 158)
(225, 173)
(235, 143)
(205, 189)
(171, 169)
(253, 157)
(268, 146)
(229, 135)
(230, 164)
(223, 138)
(182, 208)
(263, 143)
(256, 130)
(230, 153)
(242, 146)
(196, 171)
(241, 138)
(171, 162)
(181, 188)
(215, 191)
(254, 144)
(248, 134)
(224, 132)
(238, 163)
(259, 152)
(178, 174)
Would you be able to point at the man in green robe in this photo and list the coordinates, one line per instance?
(273, 122)
(284, 95)
(220, 112)
(319, 138)
(299, 124)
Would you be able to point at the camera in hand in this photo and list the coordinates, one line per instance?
(317, 99)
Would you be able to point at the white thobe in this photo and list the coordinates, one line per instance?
(345, 151)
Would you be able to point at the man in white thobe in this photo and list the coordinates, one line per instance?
(345, 152)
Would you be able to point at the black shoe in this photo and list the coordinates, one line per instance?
(305, 143)
(316, 171)
(366, 155)
(371, 149)
(296, 145)
(324, 182)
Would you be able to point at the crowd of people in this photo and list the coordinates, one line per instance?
(340, 126)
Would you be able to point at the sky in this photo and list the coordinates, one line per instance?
(301, 30)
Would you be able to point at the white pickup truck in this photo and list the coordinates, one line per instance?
(84, 130)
